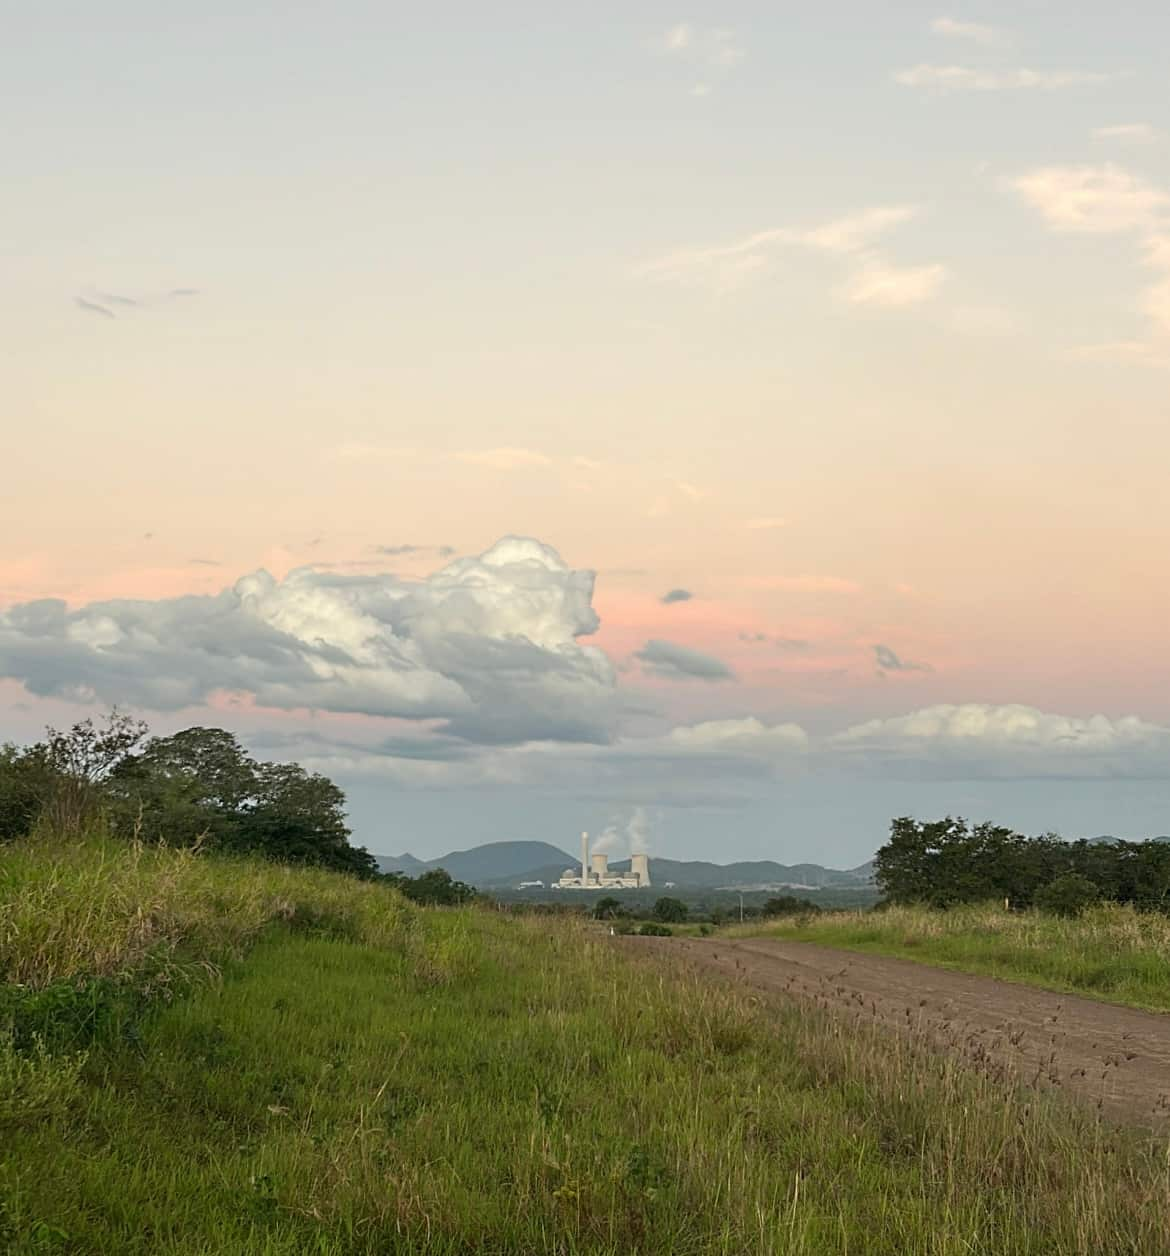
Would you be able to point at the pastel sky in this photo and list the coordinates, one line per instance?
(817, 356)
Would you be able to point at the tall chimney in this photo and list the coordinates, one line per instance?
(584, 858)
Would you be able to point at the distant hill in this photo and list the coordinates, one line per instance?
(484, 865)
(698, 874)
(401, 863)
(502, 864)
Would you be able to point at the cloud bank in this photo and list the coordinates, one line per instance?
(477, 674)
(488, 646)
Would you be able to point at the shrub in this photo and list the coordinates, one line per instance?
(607, 908)
(670, 910)
(788, 905)
(652, 930)
(1068, 895)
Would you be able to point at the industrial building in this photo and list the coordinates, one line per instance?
(595, 873)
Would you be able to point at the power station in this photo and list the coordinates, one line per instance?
(595, 873)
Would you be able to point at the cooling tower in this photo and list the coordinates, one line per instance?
(584, 858)
(640, 867)
(600, 865)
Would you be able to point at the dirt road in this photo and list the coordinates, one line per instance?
(1113, 1057)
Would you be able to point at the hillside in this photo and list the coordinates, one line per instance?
(700, 875)
(294, 1063)
(482, 865)
(503, 864)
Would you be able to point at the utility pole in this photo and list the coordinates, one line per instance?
(740, 908)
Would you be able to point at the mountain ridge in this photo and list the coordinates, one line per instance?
(491, 862)
(500, 864)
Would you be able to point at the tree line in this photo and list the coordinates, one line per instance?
(195, 787)
(942, 863)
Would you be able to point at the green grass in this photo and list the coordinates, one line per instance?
(465, 1081)
(1112, 953)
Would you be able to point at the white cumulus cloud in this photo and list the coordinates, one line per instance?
(750, 736)
(487, 645)
(1013, 740)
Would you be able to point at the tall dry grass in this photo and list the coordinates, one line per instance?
(72, 911)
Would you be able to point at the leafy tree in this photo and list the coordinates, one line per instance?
(299, 817)
(201, 784)
(944, 862)
(1068, 895)
(433, 888)
(26, 782)
(670, 910)
(607, 908)
(194, 785)
(81, 761)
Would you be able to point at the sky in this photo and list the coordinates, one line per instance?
(741, 423)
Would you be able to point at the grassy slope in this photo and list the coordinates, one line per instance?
(1111, 953)
(449, 1082)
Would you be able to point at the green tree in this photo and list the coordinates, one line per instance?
(1068, 895)
(607, 908)
(26, 783)
(670, 910)
(299, 817)
(201, 784)
(906, 868)
(433, 888)
(81, 762)
(193, 785)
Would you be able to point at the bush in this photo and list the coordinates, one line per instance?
(652, 930)
(670, 910)
(607, 908)
(1068, 895)
(434, 888)
(787, 905)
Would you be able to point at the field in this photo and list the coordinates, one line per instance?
(1111, 952)
(207, 1056)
